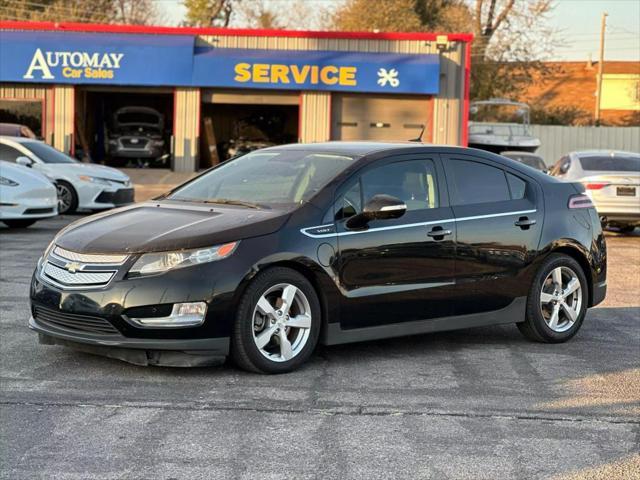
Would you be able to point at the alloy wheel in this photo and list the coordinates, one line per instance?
(282, 322)
(65, 198)
(561, 299)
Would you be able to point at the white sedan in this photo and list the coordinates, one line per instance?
(80, 185)
(611, 179)
(25, 196)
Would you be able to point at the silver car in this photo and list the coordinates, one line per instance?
(611, 179)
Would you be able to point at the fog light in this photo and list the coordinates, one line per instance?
(182, 315)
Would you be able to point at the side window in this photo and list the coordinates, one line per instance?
(478, 183)
(517, 186)
(413, 182)
(8, 153)
(350, 203)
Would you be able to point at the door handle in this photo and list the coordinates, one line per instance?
(438, 233)
(524, 223)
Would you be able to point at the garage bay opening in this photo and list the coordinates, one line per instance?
(234, 123)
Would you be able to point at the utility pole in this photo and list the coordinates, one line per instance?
(603, 27)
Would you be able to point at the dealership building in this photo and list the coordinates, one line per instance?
(213, 87)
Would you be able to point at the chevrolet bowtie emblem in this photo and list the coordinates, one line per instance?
(73, 267)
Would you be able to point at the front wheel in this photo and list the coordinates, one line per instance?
(557, 302)
(67, 197)
(277, 323)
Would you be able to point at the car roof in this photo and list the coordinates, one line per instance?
(589, 153)
(19, 139)
(362, 148)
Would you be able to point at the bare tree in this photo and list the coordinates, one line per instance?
(136, 12)
(89, 11)
(208, 13)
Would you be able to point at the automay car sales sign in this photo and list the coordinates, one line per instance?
(174, 60)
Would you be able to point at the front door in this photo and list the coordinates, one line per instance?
(402, 269)
(499, 215)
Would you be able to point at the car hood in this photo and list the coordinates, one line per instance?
(87, 169)
(164, 226)
(19, 173)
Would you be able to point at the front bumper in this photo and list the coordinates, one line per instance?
(139, 351)
(96, 197)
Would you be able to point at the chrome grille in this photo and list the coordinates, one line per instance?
(65, 277)
(73, 321)
(89, 257)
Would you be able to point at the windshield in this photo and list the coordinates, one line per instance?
(47, 153)
(611, 163)
(138, 117)
(266, 179)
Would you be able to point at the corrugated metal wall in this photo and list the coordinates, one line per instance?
(559, 140)
(33, 92)
(448, 119)
(315, 117)
(186, 130)
(64, 113)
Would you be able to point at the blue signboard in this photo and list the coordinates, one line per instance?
(79, 58)
(316, 70)
(173, 60)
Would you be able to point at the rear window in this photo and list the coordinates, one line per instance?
(608, 163)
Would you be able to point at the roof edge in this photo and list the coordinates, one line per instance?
(158, 30)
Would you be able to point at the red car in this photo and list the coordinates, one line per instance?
(16, 130)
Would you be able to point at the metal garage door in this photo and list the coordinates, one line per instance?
(380, 117)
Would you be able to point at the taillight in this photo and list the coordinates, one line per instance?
(595, 185)
(580, 201)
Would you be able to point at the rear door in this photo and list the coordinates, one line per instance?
(401, 269)
(499, 215)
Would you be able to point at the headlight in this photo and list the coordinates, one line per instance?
(151, 263)
(7, 182)
(99, 180)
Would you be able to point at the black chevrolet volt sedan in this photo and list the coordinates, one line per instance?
(264, 256)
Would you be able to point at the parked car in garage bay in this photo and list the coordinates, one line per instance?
(611, 179)
(80, 185)
(137, 134)
(26, 196)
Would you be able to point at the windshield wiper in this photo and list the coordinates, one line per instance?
(225, 201)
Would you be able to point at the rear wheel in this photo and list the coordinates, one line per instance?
(557, 301)
(277, 323)
(19, 223)
(67, 197)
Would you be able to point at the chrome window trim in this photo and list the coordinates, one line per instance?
(89, 258)
(409, 225)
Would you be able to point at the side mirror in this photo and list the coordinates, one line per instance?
(24, 161)
(379, 207)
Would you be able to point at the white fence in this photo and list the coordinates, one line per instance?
(558, 140)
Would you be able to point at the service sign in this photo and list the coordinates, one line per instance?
(78, 58)
(174, 60)
(316, 70)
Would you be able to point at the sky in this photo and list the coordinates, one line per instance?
(577, 23)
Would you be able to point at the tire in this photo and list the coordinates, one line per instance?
(627, 229)
(539, 321)
(19, 223)
(263, 325)
(67, 197)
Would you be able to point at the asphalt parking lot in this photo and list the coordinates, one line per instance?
(479, 404)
